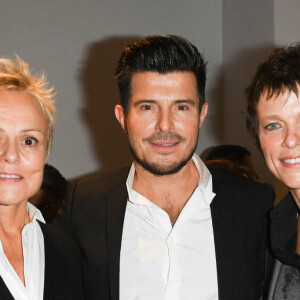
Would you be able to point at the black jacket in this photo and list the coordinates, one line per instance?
(94, 217)
(284, 235)
(63, 274)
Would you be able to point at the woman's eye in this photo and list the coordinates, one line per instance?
(272, 126)
(30, 141)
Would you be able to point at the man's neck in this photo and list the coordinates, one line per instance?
(170, 192)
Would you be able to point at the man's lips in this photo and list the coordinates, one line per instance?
(165, 143)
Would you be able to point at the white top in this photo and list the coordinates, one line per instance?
(34, 261)
(162, 262)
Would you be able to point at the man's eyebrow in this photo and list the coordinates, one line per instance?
(186, 101)
(179, 101)
(144, 101)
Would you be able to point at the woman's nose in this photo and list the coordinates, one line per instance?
(9, 152)
(291, 139)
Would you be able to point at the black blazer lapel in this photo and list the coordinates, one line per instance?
(4, 292)
(239, 215)
(273, 282)
(220, 211)
(222, 237)
(50, 270)
(117, 199)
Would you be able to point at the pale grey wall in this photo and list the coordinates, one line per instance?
(78, 43)
(287, 22)
(248, 35)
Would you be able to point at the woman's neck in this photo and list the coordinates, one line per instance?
(13, 217)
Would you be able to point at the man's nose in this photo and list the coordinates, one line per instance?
(165, 120)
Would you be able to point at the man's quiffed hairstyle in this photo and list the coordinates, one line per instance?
(280, 73)
(162, 54)
(16, 76)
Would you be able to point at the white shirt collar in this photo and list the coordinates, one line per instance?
(34, 213)
(204, 174)
(205, 182)
(34, 261)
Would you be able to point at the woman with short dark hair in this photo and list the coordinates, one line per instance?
(273, 118)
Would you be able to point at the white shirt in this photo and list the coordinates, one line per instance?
(34, 261)
(162, 262)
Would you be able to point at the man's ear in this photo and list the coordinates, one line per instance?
(120, 115)
(203, 113)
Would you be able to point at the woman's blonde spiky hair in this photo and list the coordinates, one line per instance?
(16, 76)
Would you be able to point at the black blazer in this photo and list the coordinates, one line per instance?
(274, 279)
(94, 216)
(284, 232)
(63, 274)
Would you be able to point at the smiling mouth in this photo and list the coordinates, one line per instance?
(165, 144)
(291, 161)
(10, 176)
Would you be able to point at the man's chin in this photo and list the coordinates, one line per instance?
(164, 165)
(162, 169)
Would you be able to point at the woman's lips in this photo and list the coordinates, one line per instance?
(10, 177)
(291, 161)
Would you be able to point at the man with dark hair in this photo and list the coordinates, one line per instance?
(168, 228)
(150, 55)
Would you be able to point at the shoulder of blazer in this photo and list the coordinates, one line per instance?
(100, 185)
(230, 184)
(87, 198)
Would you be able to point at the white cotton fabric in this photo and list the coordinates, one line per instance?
(34, 261)
(162, 262)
